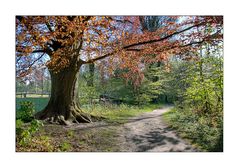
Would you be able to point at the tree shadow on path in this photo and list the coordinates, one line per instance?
(154, 139)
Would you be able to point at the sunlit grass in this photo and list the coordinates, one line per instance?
(111, 112)
(119, 113)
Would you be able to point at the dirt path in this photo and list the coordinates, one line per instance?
(148, 133)
(144, 133)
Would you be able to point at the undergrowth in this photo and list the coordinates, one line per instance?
(204, 131)
(33, 136)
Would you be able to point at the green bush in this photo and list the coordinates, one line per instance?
(35, 125)
(25, 133)
(39, 102)
(203, 130)
(19, 127)
(25, 113)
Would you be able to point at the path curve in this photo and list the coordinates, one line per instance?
(149, 133)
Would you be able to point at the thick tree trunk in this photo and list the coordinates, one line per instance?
(63, 106)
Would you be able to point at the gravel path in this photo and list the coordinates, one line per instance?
(148, 133)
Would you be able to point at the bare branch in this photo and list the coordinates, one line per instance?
(38, 51)
(29, 66)
(99, 58)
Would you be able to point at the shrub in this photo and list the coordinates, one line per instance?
(203, 130)
(24, 135)
(42, 144)
(25, 113)
(19, 126)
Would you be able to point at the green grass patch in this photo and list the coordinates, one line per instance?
(119, 113)
(39, 103)
(112, 112)
(203, 131)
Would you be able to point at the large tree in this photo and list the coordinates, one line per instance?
(65, 43)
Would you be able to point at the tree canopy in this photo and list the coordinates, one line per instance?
(68, 40)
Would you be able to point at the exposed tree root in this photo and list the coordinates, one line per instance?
(67, 117)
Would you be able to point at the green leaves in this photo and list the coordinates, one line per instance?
(199, 129)
(25, 113)
(25, 132)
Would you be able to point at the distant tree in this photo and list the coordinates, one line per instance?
(151, 89)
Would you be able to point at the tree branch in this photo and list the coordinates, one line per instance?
(98, 58)
(142, 43)
(49, 27)
(181, 46)
(38, 51)
(29, 66)
(162, 39)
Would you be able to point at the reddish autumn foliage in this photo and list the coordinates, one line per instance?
(77, 40)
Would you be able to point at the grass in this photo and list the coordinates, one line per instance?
(102, 139)
(203, 131)
(119, 113)
(113, 113)
(39, 102)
